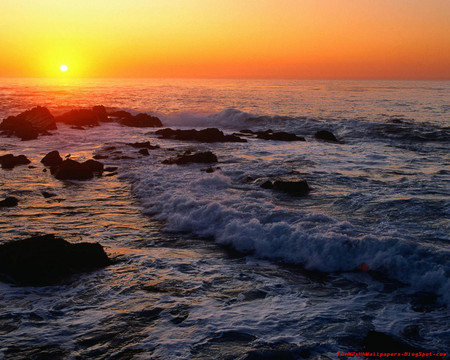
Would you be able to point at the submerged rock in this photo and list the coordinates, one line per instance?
(143, 145)
(52, 159)
(202, 157)
(144, 152)
(10, 201)
(294, 187)
(209, 135)
(325, 135)
(29, 124)
(46, 260)
(9, 161)
(141, 120)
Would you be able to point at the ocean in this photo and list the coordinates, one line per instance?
(209, 265)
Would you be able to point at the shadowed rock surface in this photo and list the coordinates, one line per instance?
(52, 159)
(84, 117)
(202, 157)
(10, 201)
(325, 135)
(209, 135)
(29, 124)
(140, 120)
(46, 260)
(73, 170)
(9, 161)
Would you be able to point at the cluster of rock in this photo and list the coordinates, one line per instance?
(9, 161)
(29, 124)
(209, 135)
(294, 187)
(46, 260)
(69, 169)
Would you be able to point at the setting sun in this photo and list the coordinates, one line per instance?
(63, 68)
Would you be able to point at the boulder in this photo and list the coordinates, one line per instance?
(325, 135)
(73, 170)
(141, 120)
(294, 187)
(202, 157)
(29, 124)
(46, 260)
(9, 161)
(267, 185)
(52, 159)
(209, 135)
(144, 152)
(84, 117)
(10, 201)
(278, 136)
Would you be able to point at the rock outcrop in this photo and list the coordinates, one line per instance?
(29, 124)
(73, 170)
(209, 135)
(84, 117)
(46, 260)
(140, 120)
(52, 159)
(9, 161)
(325, 135)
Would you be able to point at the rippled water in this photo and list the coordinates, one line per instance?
(293, 288)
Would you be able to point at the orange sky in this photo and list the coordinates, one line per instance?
(373, 39)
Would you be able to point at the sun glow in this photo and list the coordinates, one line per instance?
(63, 68)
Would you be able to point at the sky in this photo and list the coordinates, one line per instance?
(308, 39)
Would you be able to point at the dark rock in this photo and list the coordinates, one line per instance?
(209, 135)
(278, 136)
(29, 124)
(83, 117)
(143, 145)
(120, 114)
(144, 152)
(10, 201)
(208, 170)
(267, 185)
(246, 131)
(110, 169)
(141, 120)
(325, 135)
(294, 187)
(111, 174)
(93, 165)
(52, 159)
(73, 170)
(203, 157)
(46, 260)
(47, 194)
(9, 161)
(101, 113)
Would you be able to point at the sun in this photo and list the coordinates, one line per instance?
(63, 68)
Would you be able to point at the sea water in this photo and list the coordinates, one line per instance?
(211, 265)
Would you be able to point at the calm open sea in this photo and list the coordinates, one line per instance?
(212, 266)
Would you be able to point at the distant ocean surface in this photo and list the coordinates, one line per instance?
(211, 265)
